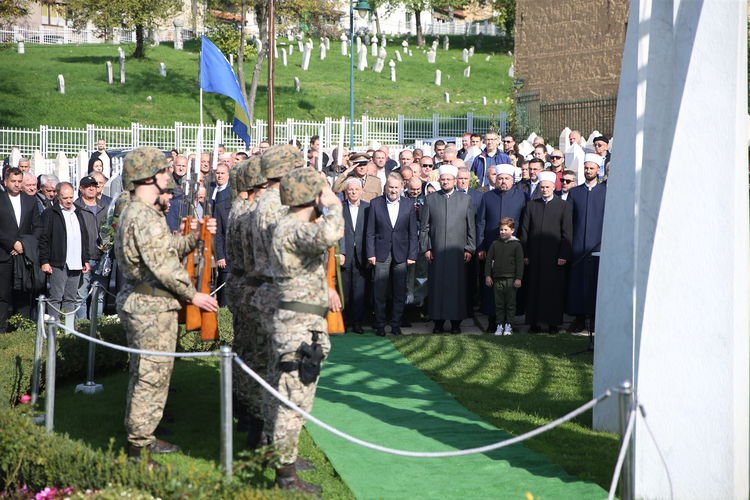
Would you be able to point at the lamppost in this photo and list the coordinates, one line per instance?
(362, 8)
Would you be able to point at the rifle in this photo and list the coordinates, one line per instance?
(333, 280)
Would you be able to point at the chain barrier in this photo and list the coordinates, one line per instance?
(83, 302)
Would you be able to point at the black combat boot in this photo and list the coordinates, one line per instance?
(287, 479)
(303, 464)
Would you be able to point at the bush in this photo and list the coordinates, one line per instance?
(32, 459)
(17, 353)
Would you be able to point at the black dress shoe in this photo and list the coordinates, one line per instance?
(396, 330)
(358, 329)
(491, 327)
(158, 447)
(380, 332)
(577, 325)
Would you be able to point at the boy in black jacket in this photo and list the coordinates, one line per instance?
(503, 269)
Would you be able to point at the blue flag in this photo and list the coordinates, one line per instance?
(217, 77)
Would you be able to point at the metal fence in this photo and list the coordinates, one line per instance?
(56, 35)
(50, 141)
(548, 119)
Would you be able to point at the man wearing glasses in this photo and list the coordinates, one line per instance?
(557, 165)
(568, 183)
(426, 171)
(492, 155)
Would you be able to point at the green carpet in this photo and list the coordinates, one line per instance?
(369, 390)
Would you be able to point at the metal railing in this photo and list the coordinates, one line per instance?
(399, 130)
(56, 35)
(49, 328)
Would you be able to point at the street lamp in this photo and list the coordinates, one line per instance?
(362, 8)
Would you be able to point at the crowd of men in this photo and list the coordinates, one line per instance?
(449, 231)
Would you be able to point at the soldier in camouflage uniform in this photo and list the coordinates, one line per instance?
(147, 304)
(276, 162)
(239, 248)
(300, 342)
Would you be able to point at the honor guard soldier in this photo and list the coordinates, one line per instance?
(155, 282)
(276, 162)
(299, 340)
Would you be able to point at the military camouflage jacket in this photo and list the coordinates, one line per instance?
(299, 256)
(149, 253)
(268, 213)
(246, 222)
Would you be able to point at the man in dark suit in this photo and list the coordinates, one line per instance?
(19, 226)
(392, 244)
(474, 272)
(221, 203)
(352, 248)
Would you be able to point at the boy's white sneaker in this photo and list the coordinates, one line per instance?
(508, 330)
(499, 330)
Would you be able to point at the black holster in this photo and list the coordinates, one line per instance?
(310, 358)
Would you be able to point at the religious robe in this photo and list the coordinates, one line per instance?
(588, 219)
(546, 235)
(496, 204)
(448, 230)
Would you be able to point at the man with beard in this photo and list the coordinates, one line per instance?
(587, 204)
(448, 242)
(546, 233)
(506, 200)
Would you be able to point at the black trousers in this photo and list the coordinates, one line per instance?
(391, 275)
(11, 301)
(354, 281)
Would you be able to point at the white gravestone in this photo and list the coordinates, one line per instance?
(405, 44)
(21, 48)
(344, 44)
(297, 87)
(471, 51)
(163, 69)
(291, 49)
(410, 53)
(431, 56)
(39, 164)
(392, 65)
(398, 55)
(110, 78)
(382, 53)
(122, 68)
(378, 66)
(358, 41)
(446, 43)
(283, 56)
(306, 57)
(374, 47)
(465, 56)
(328, 43)
(672, 302)
(323, 51)
(438, 77)
(447, 97)
(467, 72)
(487, 59)
(484, 100)
(61, 84)
(362, 58)
(300, 46)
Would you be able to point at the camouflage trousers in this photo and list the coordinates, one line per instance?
(290, 330)
(250, 345)
(149, 375)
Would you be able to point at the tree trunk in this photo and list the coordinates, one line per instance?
(241, 51)
(194, 17)
(261, 12)
(140, 47)
(418, 23)
(377, 22)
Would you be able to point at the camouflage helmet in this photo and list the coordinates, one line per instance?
(254, 174)
(141, 164)
(280, 159)
(237, 177)
(300, 186)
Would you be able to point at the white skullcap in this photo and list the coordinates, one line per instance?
(594, 158)
(505, 168)
(435, 185)
(448, 170)
(547, 176)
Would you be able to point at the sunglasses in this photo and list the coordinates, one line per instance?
(427, 165)
(507, 141)
(556, 157)
(568, 181)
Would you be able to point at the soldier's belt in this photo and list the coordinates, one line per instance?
(301, 307)
(146, 289)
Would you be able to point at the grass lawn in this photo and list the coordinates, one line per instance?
(519, 383)
(516, 383)
(30, 97)
(194, 408)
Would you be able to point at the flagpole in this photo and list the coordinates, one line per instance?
(200, 105)
(271, 59)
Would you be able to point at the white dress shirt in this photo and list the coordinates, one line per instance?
(16, 202)
(73, 240)
(354, 212)
(392, 209)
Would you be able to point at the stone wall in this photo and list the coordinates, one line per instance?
(569, 50)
